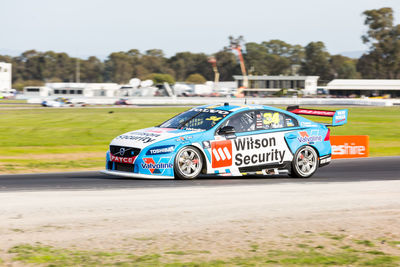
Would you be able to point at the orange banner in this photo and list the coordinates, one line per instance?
(349, 146)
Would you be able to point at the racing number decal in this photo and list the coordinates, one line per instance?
(271, 118)
(221, 153)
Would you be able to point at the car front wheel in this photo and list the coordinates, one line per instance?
(305, 162)
(188, 163)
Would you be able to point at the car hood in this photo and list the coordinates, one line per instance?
(145, 137)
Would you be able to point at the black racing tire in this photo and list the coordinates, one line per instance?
(188, 163)
(305, 162)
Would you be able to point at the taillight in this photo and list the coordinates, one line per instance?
(328, 135)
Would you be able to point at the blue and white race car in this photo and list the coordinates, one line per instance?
(229, 140)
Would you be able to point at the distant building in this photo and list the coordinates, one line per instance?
(37, 91)
(364, 87)
(73, 90)
(84, 89)
(5, 76)
(268, 85)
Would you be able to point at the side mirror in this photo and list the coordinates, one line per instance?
(227, 130)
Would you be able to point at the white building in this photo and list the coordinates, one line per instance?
(73, 90)
(37, 91)
(84, 89)
(364, 87)
(5, 76)
(267, 85)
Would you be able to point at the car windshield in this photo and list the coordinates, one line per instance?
(198, 119)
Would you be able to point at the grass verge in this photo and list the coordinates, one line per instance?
(304, 256)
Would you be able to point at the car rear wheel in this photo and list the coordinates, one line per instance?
(305, 162)
(188, 163)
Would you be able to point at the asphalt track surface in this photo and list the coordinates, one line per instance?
(344, 170)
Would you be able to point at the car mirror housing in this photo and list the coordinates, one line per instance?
(227, 130)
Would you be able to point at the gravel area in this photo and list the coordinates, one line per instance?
(222, 220)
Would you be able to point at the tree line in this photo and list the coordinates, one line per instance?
(273, 57)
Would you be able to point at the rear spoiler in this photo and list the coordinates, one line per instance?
(339, 117)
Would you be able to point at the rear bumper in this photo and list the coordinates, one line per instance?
(136, 175)
(325, 160)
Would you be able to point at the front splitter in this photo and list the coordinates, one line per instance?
(136, 175)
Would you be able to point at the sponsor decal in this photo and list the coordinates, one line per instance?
(306, 124)
(325, 160)
(143, 139)
(215, 111)
(326, 113)
(259, 144)
(213, 118)
(221, 153)
(184, 138)
(289, 123)
(259, 121)
(350, 146)
(206, 144)
(305, 138)
(130, 160)
(153, 167)
(340, 116)
(160, 150)
(160, 130)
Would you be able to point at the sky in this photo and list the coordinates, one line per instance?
(98, 27)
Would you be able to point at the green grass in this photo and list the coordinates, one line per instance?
(333, 236)
(50, 256)
(13, 101)
(382, 124)
(28, 132)
(366, 243)
(93, 128)
(25, 133)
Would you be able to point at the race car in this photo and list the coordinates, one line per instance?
(227, 140)
(61, 102)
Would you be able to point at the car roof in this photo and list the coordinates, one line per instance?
(238, 107)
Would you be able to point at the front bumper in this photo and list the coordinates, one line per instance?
(136, 175)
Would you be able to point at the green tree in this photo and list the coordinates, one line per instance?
(227, 65)
(186, 63)
(118, 67)
(158, 78)
(154, 61)
(295, 53)
(19, 85)
(196, 78)
(92, 70)
(369, 66)
(383, 39)
(344, 67)
(316, 62)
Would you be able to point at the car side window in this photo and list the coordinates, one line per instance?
(243, 122)
(269, 119)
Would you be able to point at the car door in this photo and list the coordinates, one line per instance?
(258, 143)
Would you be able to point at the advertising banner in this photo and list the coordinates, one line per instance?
(349, 146)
